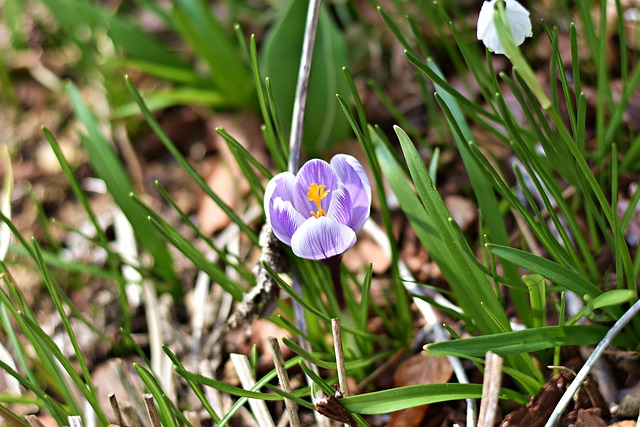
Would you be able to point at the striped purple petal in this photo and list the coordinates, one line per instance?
(322, 238)
(355, 179)
(278, 207)
(285, 220)
(281, 185)
(313, 172)
(340, 208)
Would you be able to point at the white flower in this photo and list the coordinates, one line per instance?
(517, 18)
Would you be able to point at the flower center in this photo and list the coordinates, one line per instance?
(315, 194)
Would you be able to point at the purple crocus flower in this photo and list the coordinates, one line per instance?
(319, 211)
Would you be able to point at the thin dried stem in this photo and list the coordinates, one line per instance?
(115, 407)
(154, 418)
(302, 88)
(490, 390)
(278, 361)
(588, 365)
(337, 346)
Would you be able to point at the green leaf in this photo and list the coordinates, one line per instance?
(107, 166)
(53, 291)
(524, 341)
(558, 274)
(160, 99)
(613, 298)
(482, 187)
(164, 410)
(395, 399)
(431, 221)
(191, 252)
(182, 161)
(324, 123)
(195, 21)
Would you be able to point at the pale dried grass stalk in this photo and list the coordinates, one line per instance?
(34, 421)
(278, 361)
(75, 421)
(245, 374)
(490, 390)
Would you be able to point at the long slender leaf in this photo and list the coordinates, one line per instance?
(524, 341)
(560, 275)
(108, 167)
(395, 399)
(185, 164)
(191, 252)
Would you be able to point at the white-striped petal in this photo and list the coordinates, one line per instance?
(322, 238)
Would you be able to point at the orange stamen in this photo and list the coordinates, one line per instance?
(315, 194)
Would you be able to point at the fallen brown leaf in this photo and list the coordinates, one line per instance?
(418, 369)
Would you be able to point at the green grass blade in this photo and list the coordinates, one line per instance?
(164, 411)
(153, 123)
(48, 344)
(482, 187)
(558, 274)
(430, 219)
(214, 45)
(191, 252)
(229, 389)
(55, 409)
(11, 418)
(236, 264)
(524, 341)
(108, 167)
(48, 280)
(395, 399)
(193, 386)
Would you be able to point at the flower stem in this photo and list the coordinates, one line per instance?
(333, 264)
(512, 52)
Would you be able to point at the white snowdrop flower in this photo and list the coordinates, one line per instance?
(517, 18)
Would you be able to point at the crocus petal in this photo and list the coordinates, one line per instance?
(322, 238)
(284, 219)
(517, 18)
(340, 208)
(313, 172)
(281, 186)
(355, 179)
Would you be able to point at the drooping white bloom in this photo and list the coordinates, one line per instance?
(517, 18)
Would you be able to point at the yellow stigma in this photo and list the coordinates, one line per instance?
(315, 194)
